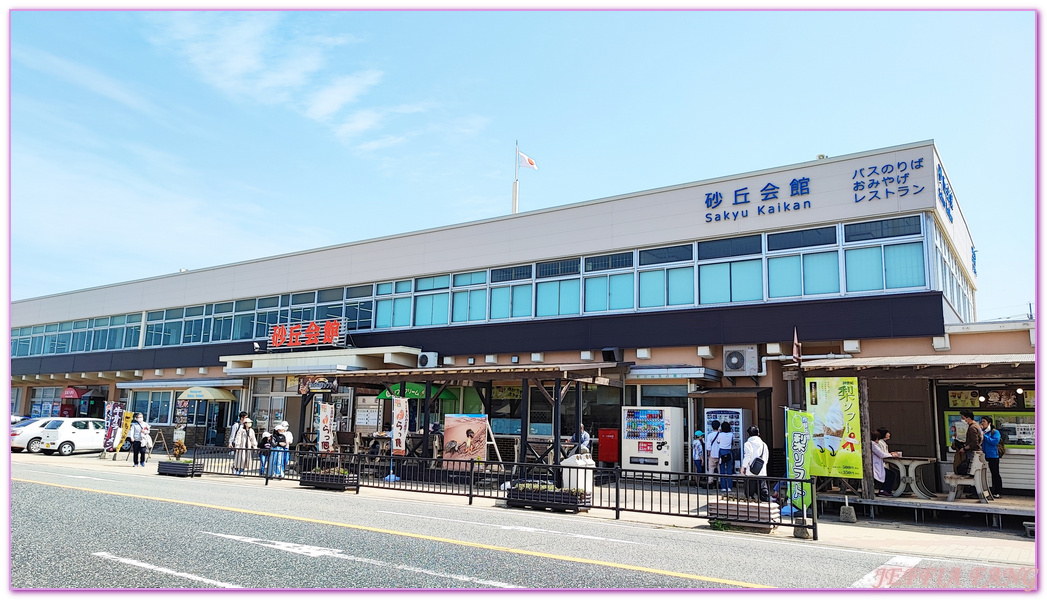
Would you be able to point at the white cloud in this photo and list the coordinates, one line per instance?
(342, 91)
(83, 76)
(358, 123)
(384, 142)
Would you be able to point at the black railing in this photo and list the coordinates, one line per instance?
(749, 501)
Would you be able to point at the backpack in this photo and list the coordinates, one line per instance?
(1000, 448)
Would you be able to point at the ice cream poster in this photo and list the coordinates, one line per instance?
(837, 432)
(799, 447)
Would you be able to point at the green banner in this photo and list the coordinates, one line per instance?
(799, 446)
(837, 431)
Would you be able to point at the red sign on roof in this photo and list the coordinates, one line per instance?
(304, 334)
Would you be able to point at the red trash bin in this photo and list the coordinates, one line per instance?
(608, 451)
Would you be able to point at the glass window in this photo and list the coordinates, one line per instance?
(714, 283)
(557, 298)
(875, 230)
(424, 284)
(303, 298)
(864, 269)
(821, 273)
(221, 329)
(595, 294)
(801, 239)
(522, 300)
(904, 265)
(663, 255)
(301, 315)
(330, 311)
(194, 311)
(431, 309)
(134, 318)
(116, 338)
(667, 287)
(621, 260)
(557, 268)
(100, 339)
(243, 327)
(358, 291)
(474, 278)
(681, 286)
(620, 292)
(511, 301)
(76, 325)
(652, 288)
(156, 315)
(67, 326)
(385, 289)
(740, 246)
(174, 313)
(469, 306)
(270, 302)
(244, 305)
(358, 315)
(402, 312)
(784, 277)
(193, 331)
(330, 295)
(224, 307)
(119, 320)
(403, 287)
(103, 322)
(747, 280)
(510, 274)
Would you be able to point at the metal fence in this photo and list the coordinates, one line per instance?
(750, 501)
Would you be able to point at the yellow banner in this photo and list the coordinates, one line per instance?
(125, 429)
(837, 431)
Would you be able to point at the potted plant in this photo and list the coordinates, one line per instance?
(331, 478)
(182, 467)
(545, 495)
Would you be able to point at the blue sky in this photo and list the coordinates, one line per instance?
(146, 142)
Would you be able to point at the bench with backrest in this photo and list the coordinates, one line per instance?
(978, 478)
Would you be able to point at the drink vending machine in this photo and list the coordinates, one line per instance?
(739, 418)
(653, 439)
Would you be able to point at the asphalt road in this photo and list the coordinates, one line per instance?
(75, 527)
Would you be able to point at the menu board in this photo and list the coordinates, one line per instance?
(1019, 428)
(181, 412)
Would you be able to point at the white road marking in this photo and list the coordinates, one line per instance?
(86, 477)
(136, 563)
(519, 528)
(887, 573)
(317, 551)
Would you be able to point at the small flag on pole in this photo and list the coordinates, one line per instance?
(527, 161)
(797, 347)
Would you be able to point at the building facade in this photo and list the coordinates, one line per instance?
(868, 251)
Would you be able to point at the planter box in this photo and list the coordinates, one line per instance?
(179, 469)
(555, 500)
(328, 481)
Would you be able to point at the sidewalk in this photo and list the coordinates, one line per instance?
(880, 535)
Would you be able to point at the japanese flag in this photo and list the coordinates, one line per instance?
(527, 161)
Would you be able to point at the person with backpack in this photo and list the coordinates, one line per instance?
(712, 460)
(991, 442)
(243, 443)
(264, 445)
(281, 448)
(754, 462)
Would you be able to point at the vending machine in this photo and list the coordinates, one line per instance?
(740, 420)
(653, 439)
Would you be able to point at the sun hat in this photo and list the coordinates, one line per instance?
(698, 433)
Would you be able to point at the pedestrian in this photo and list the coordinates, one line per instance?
(881, 474)
(754, 463)
(991, 448)
(725, 452)
(885, 435)
(973, 440)
(698, 456)
(712, 461)
(236, 428)
(581, 440)
(281, 442)
(264, 444)
(243, 443)
(139, 440)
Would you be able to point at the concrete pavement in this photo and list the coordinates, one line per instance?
(903, 538)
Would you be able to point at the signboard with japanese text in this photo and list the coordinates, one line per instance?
(304, 334)
(324, 426)
(399, 432)
(799, 445)
(833, 402)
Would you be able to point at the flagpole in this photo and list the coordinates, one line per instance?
(516, 178)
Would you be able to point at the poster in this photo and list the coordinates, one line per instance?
(1001, 399)
(465, 439)
(181, 412)
(324, 426)
(1030, 398)
(963, 399)
(399, 432)
(799, 426)
(833, 401)
(113, 417)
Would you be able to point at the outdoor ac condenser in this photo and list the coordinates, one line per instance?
(428, 360)
(740, 361)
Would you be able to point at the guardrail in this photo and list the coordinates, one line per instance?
(747, 501)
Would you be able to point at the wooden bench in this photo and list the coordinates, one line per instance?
(764, 516)
(978, 478)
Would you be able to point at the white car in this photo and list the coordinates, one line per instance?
(66, 435)
(25, 435)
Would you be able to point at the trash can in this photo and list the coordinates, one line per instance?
(575, 477)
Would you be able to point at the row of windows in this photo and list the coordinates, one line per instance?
(749, 268)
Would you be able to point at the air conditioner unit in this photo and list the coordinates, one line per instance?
(428, 360)
(740, 360)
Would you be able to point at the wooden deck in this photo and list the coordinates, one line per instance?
(1020, 506)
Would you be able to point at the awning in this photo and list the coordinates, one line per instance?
(178, 384)
(73, 393)
(745, 392)
(417, 390)
(922, 361)
(206, 393)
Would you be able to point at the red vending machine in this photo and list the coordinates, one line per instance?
(608, 451)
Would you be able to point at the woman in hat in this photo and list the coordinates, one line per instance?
(243, 443)
(281, 442)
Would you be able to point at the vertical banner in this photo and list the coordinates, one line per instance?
(324, 427)
(125, 430)
(114, 418)
(799, 426)
(837, 431)
(465, 439)
(399, 433)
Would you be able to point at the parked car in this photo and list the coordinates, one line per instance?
(66, 435)
(25, 435)
(17, 419)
